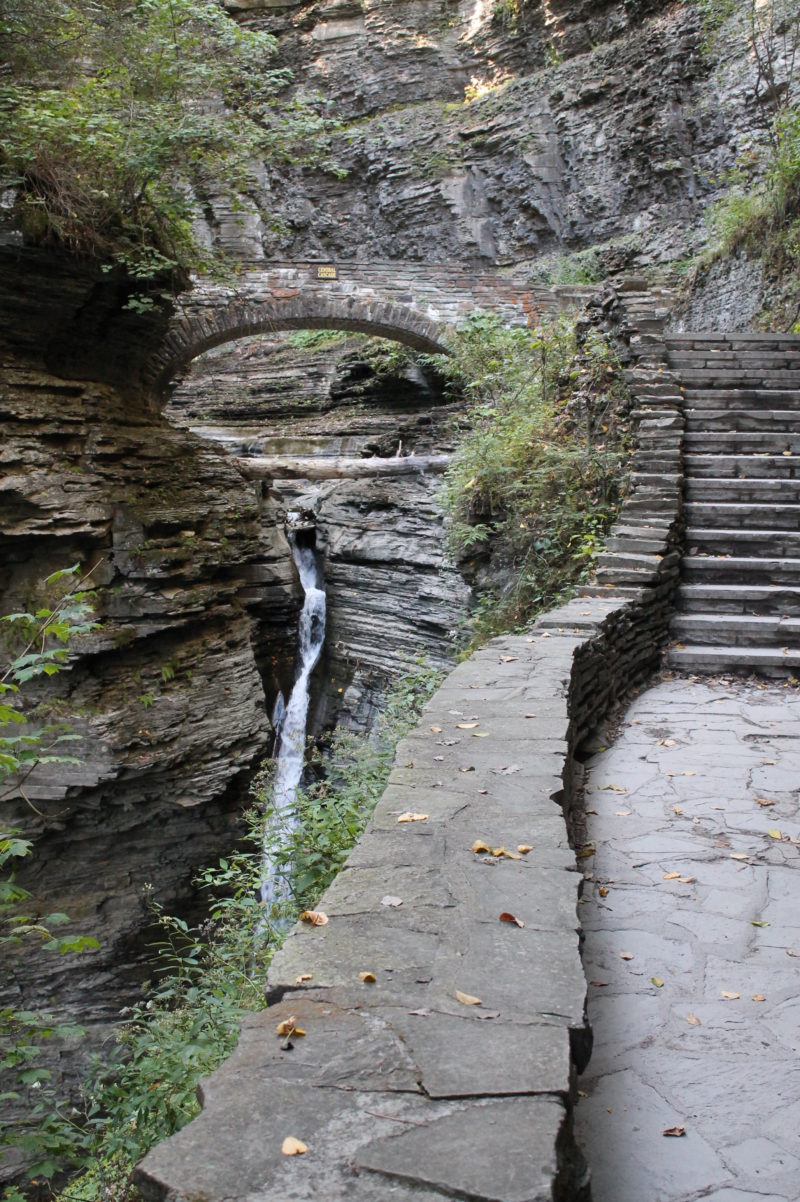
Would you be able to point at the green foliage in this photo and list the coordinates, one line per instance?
(119, 120)
(313, 340)
(540, 466)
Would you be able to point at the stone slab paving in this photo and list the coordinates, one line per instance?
(678, 793)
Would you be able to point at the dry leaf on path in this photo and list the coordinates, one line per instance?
(603, 891)
(508, 659)
(759, 997)
(480, 734)
(304, 976)
(672, 876)
(367, 977)
(315, 918)
(286, 1027)
(467, 725)
(293, 1147)
(676, 1131)
(524, 848)
(687, 880)
(437, 730)
(739, 855)
(657, 981)
(693, 1020)
(626, 955)
(730, 996)
(764, 801)
(390, 900)
(479, 846)
(774, 833)
(509, 855)
(409, 816)
(467, 999)
(506, 917)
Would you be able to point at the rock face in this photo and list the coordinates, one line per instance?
(392, 593)
(189, 571)
(507, 132)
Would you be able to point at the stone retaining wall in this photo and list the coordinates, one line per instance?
(452, 1073)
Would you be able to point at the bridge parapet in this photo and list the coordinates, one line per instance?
(414, 303)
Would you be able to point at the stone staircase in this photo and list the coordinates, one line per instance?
(739, 597)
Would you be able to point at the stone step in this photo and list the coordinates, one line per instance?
(739, 598)
(754, 489)
(735, 376)
(745, 630)
(742, 398)
(738, 442)
(697, 658)
(727, 541)
(768, 342)
(768, 420)
(700, 465)
(745, 515)
(741, 569)
(733, 360)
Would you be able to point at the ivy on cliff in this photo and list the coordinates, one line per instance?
(120, 122)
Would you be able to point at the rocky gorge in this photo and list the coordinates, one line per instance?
(570, 141)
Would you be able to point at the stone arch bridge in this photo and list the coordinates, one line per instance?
(414, 303)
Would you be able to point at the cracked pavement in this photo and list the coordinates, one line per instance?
(694, 894)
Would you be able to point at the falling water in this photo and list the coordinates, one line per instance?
(291, 749)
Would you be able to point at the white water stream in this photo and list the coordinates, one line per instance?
(291, 749)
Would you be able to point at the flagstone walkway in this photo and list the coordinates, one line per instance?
(692, 948)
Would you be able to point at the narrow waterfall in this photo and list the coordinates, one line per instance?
(291, 747)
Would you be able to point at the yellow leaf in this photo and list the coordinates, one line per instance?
(315, 917)
(584, 853)
(293, 1147)
(677, 809)
(286, 1027)
(367, 977)
(729, 996)
(509, 855)
(298, 1032)
(506, 917)
(524, 848)
(657, 981)
(508, 659)
(759, 997)
(467, 999)
(479, 846)
(626, 955)
(603, 891)
(739, 855)
(304, 976)
(671, 876)
(411, 817)
(613, 789)
(693, 1020)
(437, 730)
(480, 734)
(467, 725)
(764, 801)
(687, 880)
(774, 833)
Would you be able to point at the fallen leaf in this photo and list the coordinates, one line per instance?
(758, 922)
(774, 833)
(739, 855)
(677, 809)
(730, 996)
(603, 891)
(483, 792)
(623, 813)
(508, 659)
(524, 848)
(687, 880)
(411, 817)
(437, 730)
(509, 855)
(480, 734)
(613, 789)
(676, 1131)
(530, 715)
(759, 997)
(286, 1027)
(367, 977)
(791, 952)
(657, 981)
(293, 1147)
(764, 801)
(304, 976)
(479, 846)
(590, 811)
(672, 876)
(666, 743)
(506, 917)
(315, 917)
(507, 771)
(626, 955)
(391, 900)
(467, 999)
(688, 772)
(423, 1012)
(693, 1020)
(585, 853)
(467, 725)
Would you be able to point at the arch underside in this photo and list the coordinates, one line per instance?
(212, 326)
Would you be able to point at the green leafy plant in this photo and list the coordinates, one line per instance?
(539, 471)
(120, 122)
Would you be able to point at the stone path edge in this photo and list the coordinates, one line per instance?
(400, 1088)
